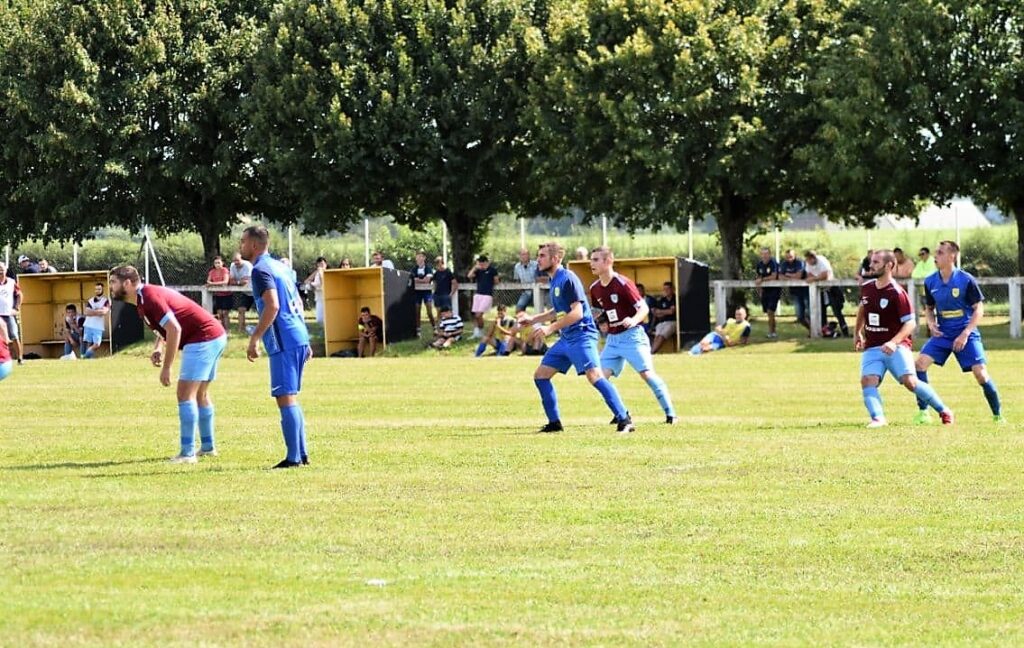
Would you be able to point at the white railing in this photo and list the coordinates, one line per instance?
(722, 286)
(207, 292)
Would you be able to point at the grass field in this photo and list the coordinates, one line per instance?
(432, 515)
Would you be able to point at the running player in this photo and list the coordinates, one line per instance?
(179, 324)
(570, 315)
(954, 306)
(621, 302)
(884, 330)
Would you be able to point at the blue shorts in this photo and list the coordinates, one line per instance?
(423, 296)
(12, 326)
(286, 371)
(632, 346)
(581, 353)
(92, 336)
(939, 348)
(199, 360)
(6, 368)
(714, 339)
(442, 301)
(874, 362)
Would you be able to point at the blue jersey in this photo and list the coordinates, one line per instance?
(566, 290)
(289, 328)
(953, 301)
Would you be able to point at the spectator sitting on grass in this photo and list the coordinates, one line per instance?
(736, 332)
(499, 334)
(449, 329)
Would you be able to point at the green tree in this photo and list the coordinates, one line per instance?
(652, 111)
(404, 107)
(124, 113)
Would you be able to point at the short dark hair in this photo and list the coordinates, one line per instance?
(100, 283)
(924, 250)
(897, 249)
(258, 233)
(320, 258)
(71, 307)
(126, 273)
(667, 283)
(364, 309)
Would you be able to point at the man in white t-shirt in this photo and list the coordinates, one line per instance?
(818, 269)
(240, 274)
(10, 303)
(96, 311)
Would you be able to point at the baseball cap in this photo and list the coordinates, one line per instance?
(23, 258)
(482, 258)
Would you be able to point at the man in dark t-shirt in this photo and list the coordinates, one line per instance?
(768, 269)
(371, 332)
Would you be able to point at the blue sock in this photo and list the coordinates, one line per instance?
(611, 398)
(89, 353)
(302, 432)
(695, 349)
(68, 348)
(480, 348)
(206, 427)
(922, 377)
(992, 396)
(291, 424)
(660, 390)
(502, 349)
(873, 401)
(925, 394)
(188, 412)
(548, 398)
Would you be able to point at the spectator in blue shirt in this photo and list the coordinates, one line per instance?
(792, 267)
(767, 268)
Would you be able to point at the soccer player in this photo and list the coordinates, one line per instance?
(570, 314)
(179, 324)
(96, 310)
(627, 341)
(285, 337)
(954, 305)
(6, 363)
(884, 330)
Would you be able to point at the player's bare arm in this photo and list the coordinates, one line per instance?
(271, 306)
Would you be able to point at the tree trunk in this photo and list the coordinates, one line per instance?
(466, 233)
(733, 218)
(209, 228)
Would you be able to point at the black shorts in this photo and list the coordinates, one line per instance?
(223, 302)
(243, 300)
(770, 299)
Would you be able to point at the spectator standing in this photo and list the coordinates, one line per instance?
(422, 278)
(241, 275)
(346, 263)
(664, 316)
(371, 332)
(96, 311)
(10, 308)
(864, 270)
(792, 267)
(925, 264)
(768, 268)
(445, 286)
(222, 300)
(377, 260)
(904, 265)
(818, 269)
(525, 271)
(315, 280)
(27, 265)
(486, 276)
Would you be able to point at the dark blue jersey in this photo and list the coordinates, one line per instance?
(443, 282)
(485, 281)
(288, 330)
(566, 290)
(953, 300)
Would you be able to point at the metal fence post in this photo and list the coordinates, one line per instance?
(720, 305)
(1015, 314)
(815, 309)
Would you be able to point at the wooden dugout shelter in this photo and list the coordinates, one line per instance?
(46, 295)
(386, 292)
(688, 277)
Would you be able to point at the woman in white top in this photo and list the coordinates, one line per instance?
(316, 280)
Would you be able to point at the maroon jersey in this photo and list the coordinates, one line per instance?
(156, 303)
(885, 312)
(619, 299)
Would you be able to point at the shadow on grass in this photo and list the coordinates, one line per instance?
(84, 464)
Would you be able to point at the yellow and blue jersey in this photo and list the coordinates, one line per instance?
(289, 328)
(954, 301)
(566, 290)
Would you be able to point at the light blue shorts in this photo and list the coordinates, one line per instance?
(874, 362)
(286, 371)
(632, 346)
(6, 368)
(939, 348)
(581, 353)
(714, 339)
(199, 359)
(92, 336)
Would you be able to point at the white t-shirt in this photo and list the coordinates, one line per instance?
(239, 273)
(822, 265)
(7, 289)
(97, 321)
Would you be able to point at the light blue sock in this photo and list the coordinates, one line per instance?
(291, 424)
(660, 390)
(922, 377)
(480, 348)
(206, 427)
(927, 395)
(611, 398)
(188, 412)
(873, 401)
(992, 396)
(695, 349)
(548, 398)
